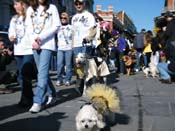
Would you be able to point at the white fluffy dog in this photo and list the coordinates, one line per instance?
(93, 116)
(146, 71)
(89, 119)
(153, 64)
(154, 59)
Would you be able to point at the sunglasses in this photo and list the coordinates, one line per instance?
(64, 18)
(78, 3)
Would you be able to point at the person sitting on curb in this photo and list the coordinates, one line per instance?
(167, 69)
(5, 59)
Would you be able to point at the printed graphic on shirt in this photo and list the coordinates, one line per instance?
(19, 28)
(82, 19)
(79, 22)
(65, 34)
(65, 38)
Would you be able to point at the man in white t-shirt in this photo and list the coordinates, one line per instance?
(84, 27)
(84, 31)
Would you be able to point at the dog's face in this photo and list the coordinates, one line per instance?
(88, 119)
(127, 60)
(80, 58)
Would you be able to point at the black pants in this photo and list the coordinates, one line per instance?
(27, 72)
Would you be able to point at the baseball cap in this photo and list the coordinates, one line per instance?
(79, 1)
(114, 33)
(143, 30)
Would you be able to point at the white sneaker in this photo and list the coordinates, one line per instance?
(51, 100)
(136, 70)
(35, 108)
(58, 83)
(67, 83)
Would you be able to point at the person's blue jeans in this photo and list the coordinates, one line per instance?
(138, 58)
(44, 84)
(164, 71)
(121, 63)
(112, 62)
(22, 60)
(53, 62)
(145, 60)
(83, 49)
(64, 58)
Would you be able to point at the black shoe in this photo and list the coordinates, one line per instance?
(5, 91)
(25, 103)
(173, 79)
(166, 81)
(80, 86)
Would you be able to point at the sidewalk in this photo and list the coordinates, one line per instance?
(146, 105)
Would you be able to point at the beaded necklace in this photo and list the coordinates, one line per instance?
(19, 28)
(38, 24)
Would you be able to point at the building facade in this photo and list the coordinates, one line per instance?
(169, 6)
(128, 24)
(119, 21)
(106, 15)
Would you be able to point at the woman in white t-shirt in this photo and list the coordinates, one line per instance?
(22, 52)
(64, 52)
(42, 24)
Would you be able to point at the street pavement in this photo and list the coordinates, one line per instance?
(146, 105)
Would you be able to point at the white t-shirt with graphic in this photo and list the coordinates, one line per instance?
(22, 46)
(81, 23)
(64, 36)
(43, 24)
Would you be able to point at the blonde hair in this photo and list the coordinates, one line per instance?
(26, 4)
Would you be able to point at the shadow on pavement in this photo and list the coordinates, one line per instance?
(65, 95)
(11, 110)
(41, 123)
(112, 78)
(121, 119)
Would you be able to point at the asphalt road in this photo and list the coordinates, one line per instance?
(146, 105)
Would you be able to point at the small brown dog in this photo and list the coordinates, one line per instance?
(128, 63)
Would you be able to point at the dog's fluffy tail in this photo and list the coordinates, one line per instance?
(104, 97)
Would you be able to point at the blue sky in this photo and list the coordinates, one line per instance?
(142, 12)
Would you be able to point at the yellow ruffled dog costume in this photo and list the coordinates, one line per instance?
(104, 98)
